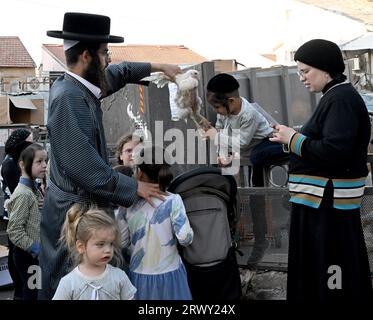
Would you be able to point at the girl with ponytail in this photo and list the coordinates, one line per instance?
(92, 238)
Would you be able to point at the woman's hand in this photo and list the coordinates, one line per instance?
(281, 133)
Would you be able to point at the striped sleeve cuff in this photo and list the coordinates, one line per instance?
(296, 142)
(285, 148)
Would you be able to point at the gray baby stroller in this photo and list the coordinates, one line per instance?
(210, 199)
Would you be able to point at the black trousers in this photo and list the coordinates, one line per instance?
(22, 261)
(265, 153)
(17, 280)
(257, 207)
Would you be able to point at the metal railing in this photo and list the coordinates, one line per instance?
(277, 210)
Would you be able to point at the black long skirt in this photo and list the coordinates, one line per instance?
(328, 258)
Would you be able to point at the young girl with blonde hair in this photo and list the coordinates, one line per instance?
(93, 240)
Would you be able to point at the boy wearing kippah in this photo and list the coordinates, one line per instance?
(235, 112)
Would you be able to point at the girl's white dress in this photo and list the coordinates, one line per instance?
(112, 284)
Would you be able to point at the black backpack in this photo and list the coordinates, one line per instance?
(211, 203)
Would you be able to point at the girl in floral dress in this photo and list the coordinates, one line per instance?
(156, 268)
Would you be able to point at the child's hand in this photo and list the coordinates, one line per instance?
(210, 133)
(34, 250)
(225, 162)
(204, 123)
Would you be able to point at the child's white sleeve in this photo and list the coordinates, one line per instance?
(124, 233)
(120, 216)
(64, 290)
(180, 222)
(219, 124)
(249, 126)
(127, 291)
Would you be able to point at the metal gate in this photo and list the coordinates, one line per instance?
(277, 209)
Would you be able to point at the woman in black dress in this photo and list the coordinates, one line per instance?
(328, 167)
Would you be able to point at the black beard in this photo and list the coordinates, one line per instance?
(95, 75)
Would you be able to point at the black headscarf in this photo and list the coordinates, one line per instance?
(324, 55)
(321, 54)
(17, 142)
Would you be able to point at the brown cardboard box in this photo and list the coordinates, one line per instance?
(21, 109)
(5, 278)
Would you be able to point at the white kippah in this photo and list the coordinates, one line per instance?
(67, 44)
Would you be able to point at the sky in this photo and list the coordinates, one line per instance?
(215, 29)
(212, 28)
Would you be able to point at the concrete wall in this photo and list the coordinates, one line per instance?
(7, 75)
(279, 92)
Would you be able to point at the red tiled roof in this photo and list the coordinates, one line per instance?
(270, 56)
(14, 54)
(141, 53)
(361, 10)
(156, 54)
(56, 51)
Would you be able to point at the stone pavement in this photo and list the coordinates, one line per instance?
(268, 281)
(263, 285)
(6, 293)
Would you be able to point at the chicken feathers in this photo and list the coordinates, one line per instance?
(187, 99)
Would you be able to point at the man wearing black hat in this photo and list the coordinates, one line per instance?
(327, 258)
(79, 169)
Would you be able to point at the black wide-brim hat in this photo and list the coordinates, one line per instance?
(85, 27)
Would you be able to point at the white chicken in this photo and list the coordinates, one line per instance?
(187, 99)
